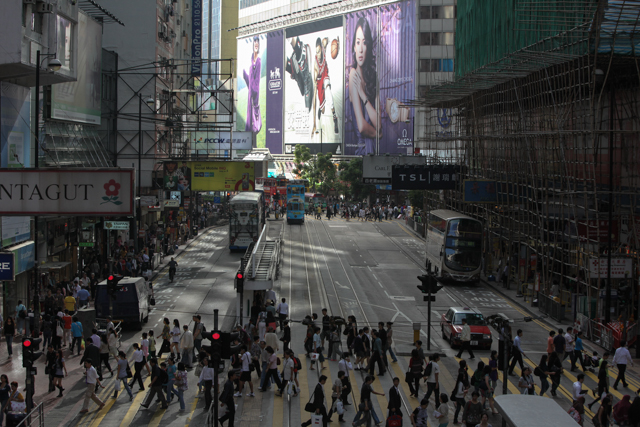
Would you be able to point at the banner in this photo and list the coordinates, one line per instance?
(252, 86)
(177, 177)
(196, 38)
(222, 176)
(480, 191)
(79, 101)
(275, 91)
(206, 143)
(426, 177)
(377, 169)
(66, 191)
(314, 87)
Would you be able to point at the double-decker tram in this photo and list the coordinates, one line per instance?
(296, 200)
(246, 219)
(453, 246)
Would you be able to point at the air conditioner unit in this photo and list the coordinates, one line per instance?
(163, 33)
(29, 1)
(44, 8)
(178, 21)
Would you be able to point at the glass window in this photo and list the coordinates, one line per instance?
(447, 39)
(447, 65)
(473, 319)
(436, 39)
(436, 65)
(425, 39)
(465, 228)
(65, 49)
(443, 12)
(425, 12)
(437, 224)
(424, 65)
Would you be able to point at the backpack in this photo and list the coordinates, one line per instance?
(428, 369)
(22, 314)
(574, 414)
(537, 372)
(163, 377)
(297, 363)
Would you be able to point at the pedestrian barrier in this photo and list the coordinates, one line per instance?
(551, 307)
(35, 418)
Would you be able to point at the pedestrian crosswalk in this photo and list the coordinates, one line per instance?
(289, 409)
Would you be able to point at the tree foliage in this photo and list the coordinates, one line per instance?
(416, 198)
(351, 178)
(319, 170)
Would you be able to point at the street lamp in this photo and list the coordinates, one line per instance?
(151, 103)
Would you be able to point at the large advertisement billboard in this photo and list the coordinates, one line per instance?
(275, 91)
(337, 85)
(222, 176)
(79, 101)
(314, 91)
(252, 86)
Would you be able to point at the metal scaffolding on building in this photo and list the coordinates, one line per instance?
(554, 128)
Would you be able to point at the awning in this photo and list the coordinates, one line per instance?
(53, 265)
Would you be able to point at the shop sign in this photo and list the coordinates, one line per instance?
(86, 244)
(7, 266)
(594, 230)
(172, 203)
(66, 191)
(425, 177)
(116, 225)
(24, 257)
(148, 200)
(620, 267)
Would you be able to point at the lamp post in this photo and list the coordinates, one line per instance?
(53, 65)
(151, 104)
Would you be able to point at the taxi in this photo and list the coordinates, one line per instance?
(451, 326)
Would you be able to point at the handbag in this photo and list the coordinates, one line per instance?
(129, 373)
(46, 370)
(118, 385)
(339, 407)
(59, 331)
(198, 370)
(316, 420)
(18, 406)
(408, 377)
(310, 407)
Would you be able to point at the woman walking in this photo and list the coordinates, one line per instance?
(105, 353)
(473, 411)
(488, 389)
(175, 339)
(181, 384)
(61, 372)
(542, 371)
(461, 388)
(166, 337)
(415, 373)
(603, 383)
(5, 390)
(123, 375)
(171, 373)
(112, 340)
(9, 332)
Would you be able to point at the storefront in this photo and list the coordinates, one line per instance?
(17, 290)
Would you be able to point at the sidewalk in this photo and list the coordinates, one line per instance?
(12, 367)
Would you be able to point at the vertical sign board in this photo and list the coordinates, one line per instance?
(196, 38)
(426, 177)
(7, 266)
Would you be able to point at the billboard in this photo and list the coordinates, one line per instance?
(15, 122)
(222, 176)
(196, 38)
(314, 89)
(425, 177)
(275, 91)
(212, 142)
(66, 191)
(252, 86)
(177, 176)
(380, 69)
(79, 101)
(377, 169)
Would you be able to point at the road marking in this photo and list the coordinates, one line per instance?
(135, 405)
(401, 298)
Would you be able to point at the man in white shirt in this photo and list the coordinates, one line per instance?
(283, 312)
(272, 339)
(433, 378)
(138, 364)
(186, 345)
(569, 345)
(90, 380)
(245, 372)
(622, 358)
(287, 372)
(465, 337)
(577, 387)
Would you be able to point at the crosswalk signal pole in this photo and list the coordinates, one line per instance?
(216, 387)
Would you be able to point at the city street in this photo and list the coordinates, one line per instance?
(353, 268)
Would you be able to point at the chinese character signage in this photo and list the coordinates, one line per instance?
(620, 267)
(425, 177)
(480, 191)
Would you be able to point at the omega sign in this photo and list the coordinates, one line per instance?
(66, 191)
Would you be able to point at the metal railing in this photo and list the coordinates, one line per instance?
(549, 306)
(35, 418)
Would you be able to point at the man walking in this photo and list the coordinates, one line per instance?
(138, 364)
(560, 344)
(382, 334)
(365, 401)
(395, 401)
(92, 382)
(465, 336)
(318, 402)
(226, 399)
(283, 312)
(622, 358)
(198, 329)
(287, 372)
(517, 352)
(245, 374)
(158, 377)
(568, 347)
(377, 355)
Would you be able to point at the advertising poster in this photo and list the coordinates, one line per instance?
(15, 122)
(222, 176)
(252, 86)
(362, 100)
(314, 86)
(216, 143)
(396, 72)
(79, 101)
(275, 91)
(177, 176)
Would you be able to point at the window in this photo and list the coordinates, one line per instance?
(443, 12)
(36, 22)
(422, 91)
(424, 65)
(436, 39)
(445, 65)
(425, 12)
(447, 39)
(473, 319)
(425, 39)
(65, 48)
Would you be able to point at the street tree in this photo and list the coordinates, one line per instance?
(320, 169)
(351, 179)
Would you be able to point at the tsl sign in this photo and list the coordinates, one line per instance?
(66, 191)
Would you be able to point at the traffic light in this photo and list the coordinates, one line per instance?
(216, 347)
(112, 285)
(429, 285)
(30, 353)
(240, 282)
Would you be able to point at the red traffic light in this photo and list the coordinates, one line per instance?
(110, 277)
(26, 343)
(239, 276)
(215, 336)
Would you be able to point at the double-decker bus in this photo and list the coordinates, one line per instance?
(453, 246)
(315, 199)
(296, 200)
(246, 219)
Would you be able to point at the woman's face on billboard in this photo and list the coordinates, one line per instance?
(360, 47)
